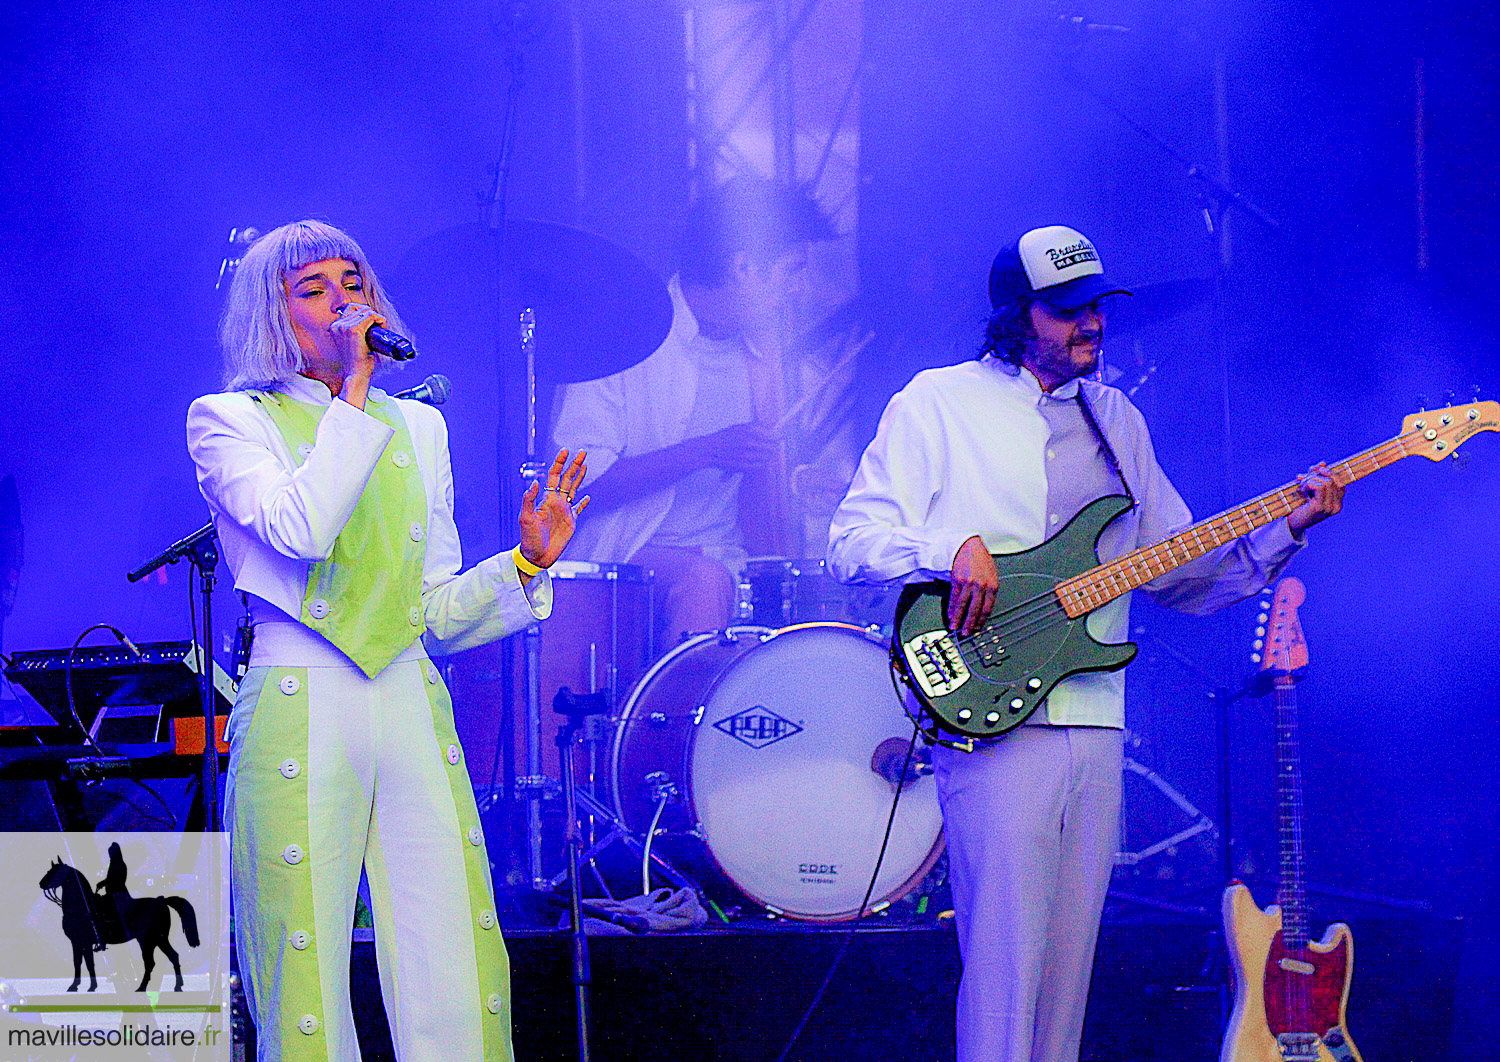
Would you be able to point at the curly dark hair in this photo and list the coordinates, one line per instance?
(1008, 330)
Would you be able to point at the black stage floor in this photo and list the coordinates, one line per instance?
(734, 994)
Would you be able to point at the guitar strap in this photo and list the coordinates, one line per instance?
(1109, 451)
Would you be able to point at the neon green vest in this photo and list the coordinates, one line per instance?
(366, 597)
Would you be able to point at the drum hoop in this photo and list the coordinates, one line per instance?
(600, 571)
(627, 710)
(870, 633)
(877, 902)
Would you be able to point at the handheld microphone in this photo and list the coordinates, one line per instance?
(434, 390)
(391, 344)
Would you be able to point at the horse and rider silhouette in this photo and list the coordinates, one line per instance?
(94, 919)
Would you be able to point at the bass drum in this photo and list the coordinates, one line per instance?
(772, 751)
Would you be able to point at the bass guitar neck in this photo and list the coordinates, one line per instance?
(985, 684)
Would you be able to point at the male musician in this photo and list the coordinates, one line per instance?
(994, 456)
(687, 467)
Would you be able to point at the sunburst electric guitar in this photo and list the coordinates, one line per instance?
(984, 684)
(1291, 993)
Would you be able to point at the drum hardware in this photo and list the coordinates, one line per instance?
(781, 592)
(586, 308)
(1199, 823)
(584, 707)
(662, 789)
(537, 785)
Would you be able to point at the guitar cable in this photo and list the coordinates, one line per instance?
(864, 906)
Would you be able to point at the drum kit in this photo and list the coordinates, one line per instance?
(766, 756)
(758, 757)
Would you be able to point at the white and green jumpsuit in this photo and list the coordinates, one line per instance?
(338, 524)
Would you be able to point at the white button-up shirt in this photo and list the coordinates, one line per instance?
(963, 450)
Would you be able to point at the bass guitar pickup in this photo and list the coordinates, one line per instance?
(935, 662)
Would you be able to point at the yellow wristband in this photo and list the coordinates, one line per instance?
(524, 566)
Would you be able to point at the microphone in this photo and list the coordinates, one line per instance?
(891, 755)
(203, 538)
(391, 344)
(124, 640)
(434, 390)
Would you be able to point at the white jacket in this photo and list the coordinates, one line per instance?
(276, 520)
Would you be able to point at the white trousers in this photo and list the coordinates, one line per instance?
(329, 772)
(1032, 825)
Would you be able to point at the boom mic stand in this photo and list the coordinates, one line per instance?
(1215, 198)
(202, 548)
(576, 708)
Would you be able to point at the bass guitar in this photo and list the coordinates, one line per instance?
(1291, 993)
(985, 684)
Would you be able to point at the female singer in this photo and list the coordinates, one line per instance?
(334, 505)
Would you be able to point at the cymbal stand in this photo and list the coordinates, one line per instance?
(534, 785)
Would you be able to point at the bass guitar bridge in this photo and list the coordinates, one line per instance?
(935, 663)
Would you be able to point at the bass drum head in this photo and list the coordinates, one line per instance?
(651, 737)
(783, 775)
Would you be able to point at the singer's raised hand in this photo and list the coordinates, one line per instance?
(547, 523)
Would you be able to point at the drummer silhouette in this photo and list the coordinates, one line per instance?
(700, 454)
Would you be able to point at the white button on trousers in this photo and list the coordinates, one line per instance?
(374, 789)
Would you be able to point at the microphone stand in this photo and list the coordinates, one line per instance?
(576, 707)
(1215, 199)
(202, 549)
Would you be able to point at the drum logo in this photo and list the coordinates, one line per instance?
(757, 727)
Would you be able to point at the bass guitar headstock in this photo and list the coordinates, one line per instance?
(1438, 433)
(1279, 647)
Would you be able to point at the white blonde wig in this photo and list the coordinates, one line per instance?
(260, 348)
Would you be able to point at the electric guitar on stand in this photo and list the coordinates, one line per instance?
(1291, 993)
(985, 684)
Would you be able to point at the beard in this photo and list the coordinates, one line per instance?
(1077, 357)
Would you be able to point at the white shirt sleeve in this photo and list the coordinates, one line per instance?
(591, 416)
(877, 534)
(300, 513)
(483, 604)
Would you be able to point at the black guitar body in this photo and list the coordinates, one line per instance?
(991, 682)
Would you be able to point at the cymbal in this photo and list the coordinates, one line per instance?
(599, 309)
(1153, 304)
